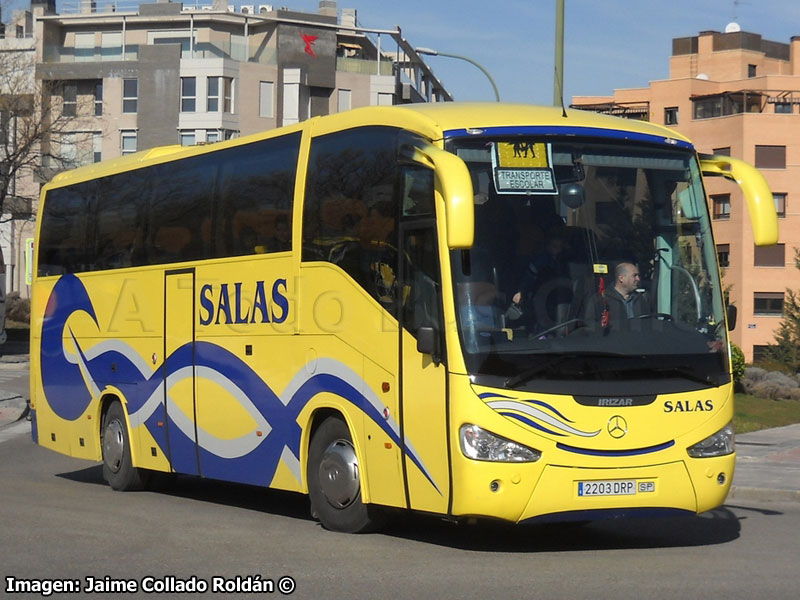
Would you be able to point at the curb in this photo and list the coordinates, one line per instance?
(13, 409)
(763, 494)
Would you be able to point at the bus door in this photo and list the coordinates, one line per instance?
(179, 371)
(424, 405)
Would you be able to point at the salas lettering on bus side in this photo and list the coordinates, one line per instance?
(227, 304)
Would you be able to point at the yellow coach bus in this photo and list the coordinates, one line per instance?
(466, 310)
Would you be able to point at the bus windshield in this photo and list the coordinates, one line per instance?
(593, 261)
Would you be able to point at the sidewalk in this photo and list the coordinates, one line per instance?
(13, 407)
(768, 465)
(767, 461)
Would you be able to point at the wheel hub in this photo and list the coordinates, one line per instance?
(113, 445)
(338, 474)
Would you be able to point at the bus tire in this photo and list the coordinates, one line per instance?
(118, 469)
(334, 482)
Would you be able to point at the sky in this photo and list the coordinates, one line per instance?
(608, 44)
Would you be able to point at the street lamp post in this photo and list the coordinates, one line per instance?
(431, 52)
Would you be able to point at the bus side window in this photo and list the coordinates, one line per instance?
(256, 193)
(170, 243)
(351, 208)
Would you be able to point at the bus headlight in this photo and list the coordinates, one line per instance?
(479, 444)
(719, 444)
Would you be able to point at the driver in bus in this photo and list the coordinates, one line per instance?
(612, 308)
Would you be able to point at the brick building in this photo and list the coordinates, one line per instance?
(736, 93)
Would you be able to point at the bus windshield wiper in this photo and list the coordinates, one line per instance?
(541, 367)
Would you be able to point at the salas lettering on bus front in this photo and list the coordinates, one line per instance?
(229, 303)
(688, 406)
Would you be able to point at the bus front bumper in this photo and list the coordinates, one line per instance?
(559, 492)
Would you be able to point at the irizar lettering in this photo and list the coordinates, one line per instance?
(615, 402)
(228, 303)
(681, 406)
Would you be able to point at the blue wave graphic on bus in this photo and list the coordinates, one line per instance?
(71, 379)
(536, 414)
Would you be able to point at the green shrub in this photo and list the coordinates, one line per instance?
(18, 309)
(737, 364)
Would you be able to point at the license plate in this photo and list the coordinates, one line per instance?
(613, 487)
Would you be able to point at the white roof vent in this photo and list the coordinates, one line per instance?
(732, 27)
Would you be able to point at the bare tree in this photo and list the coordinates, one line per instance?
(37, 128)
(39, 135)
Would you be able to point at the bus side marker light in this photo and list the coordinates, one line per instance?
(386, 413)
(385, 386)
(387, 445)
(160, 423)
(259, 433)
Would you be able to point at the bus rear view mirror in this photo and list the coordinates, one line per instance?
(454, 184)
(732, 313)
(427, 343)
(757, 194)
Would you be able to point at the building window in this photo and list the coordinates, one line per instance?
(724, 255)
(227, 94)
(84, 47)
(722, 206)
(784, 108)
(173, 36)
(751, 70)
(385, 99)
(97, 146)
(345, 100)
(130, 95)
(212, 94)
(770, 256)
(111, 45)
(768, 304)
(98, 98)
(671, 115)
(780, 204)
(188, 94)
(70, 99)
(770, 157)
(212, 136)
(728, 103)
(266, 104)
(188, 138)
(725, 151)
(761, 352)
(128, 142)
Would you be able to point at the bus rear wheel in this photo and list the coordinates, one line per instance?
(118, 469)
(334, 482)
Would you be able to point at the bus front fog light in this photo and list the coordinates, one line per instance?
(719, 444)
(479, 444)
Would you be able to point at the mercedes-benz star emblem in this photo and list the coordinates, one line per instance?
(617, 427)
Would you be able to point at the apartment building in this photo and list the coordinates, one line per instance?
(132, 76)
(738, 94)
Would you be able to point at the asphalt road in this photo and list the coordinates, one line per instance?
(61, 523)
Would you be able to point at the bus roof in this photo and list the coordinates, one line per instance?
(433, 120)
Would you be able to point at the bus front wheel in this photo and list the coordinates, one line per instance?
(118, 469)
(334, 482)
